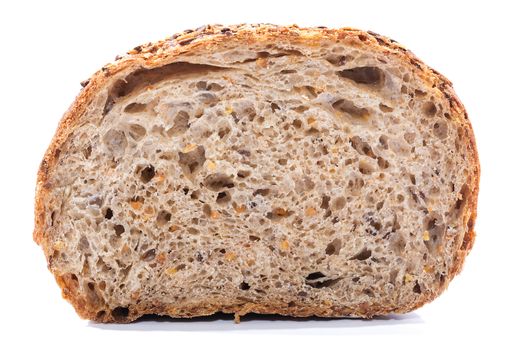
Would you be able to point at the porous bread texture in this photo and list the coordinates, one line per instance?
(272, 170)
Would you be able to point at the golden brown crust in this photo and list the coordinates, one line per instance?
(208, 38)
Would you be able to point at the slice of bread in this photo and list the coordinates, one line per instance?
(258, 168)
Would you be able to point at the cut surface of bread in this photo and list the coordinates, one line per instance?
(258, 168)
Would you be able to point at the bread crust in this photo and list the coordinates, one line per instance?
(209, 38)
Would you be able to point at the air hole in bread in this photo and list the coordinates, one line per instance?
(349, 108)
(244, 286)
(254, 238)
(278, 213)
(383, 141)
(214, 87)
(417, 288)
(143, 77)
(373, 226)
(223, 198)
(100, 315)
(147, 174)
(441, 129)
(339, 203)
(325, 202)
(87, 151)
(412, 179)
(195, 194)
(223, 132)
(217, 181)
(364, 254)
(243, 174)
(435, 232)
(83, 245)
(364, 75)
(398, 244)
(192, 161)
(115, 142)
(300, 108)
(382, 163)
(180, 124)
(207, 98)
(385, 108)
(337, 60)
(365, 167)
(148, 255)
(429, 109)
(274, 107)
(303, 184)
(136, 132)
(206, 209)
(108, 213)
(118, 229)
(420, 93)
(314, 276)
(163, 217)
(120, 313)
(261, 192)
(282, 161)
(319, 280)
(306, 91)
(288, 71)
(135, 107)
(333, 247)
(52, 218)
(362, 147)
(201, 85)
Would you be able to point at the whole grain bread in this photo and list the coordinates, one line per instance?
(259, 168)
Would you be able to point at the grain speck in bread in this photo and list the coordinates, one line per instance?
(258, 168)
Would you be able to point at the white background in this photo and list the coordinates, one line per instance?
(47, 48)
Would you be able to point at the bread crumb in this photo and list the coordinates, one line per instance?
(58, 245)
(310, 211)
(136, 205)
(408, 278)
(173, 228)
(426, 236)
(149, 212)
(160, 258)
(125, 249)
(262, 62)
(240, 209)
(211, 165)
(230, 256)
(171, 271)
(311, 120)
(159, 178)
(189, 148)
(428, 269)
(135, 295)
(284, 245)
(280, 211)
(215, 214)
(228, 110)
